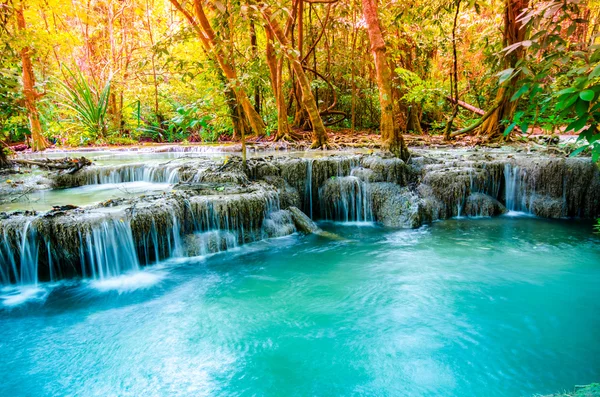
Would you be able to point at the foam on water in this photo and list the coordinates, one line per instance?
(128, 282)
(518, 214)
(16, 296)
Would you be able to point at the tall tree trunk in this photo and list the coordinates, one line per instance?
(454, 76)
(513, 33)
(308, 100)
(3, 159)
(254, 46)
(353, 72)
(209, 40)
(155, 82)
(283, 128)
(38, 141)
(391, 137)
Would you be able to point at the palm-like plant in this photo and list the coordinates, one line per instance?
(89, 104)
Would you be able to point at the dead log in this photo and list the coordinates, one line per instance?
(465, 105)
(68, 165)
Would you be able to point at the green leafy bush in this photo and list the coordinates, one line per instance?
(88, 105)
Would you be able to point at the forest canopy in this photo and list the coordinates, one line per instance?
(98, 72)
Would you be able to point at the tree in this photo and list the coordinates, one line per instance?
(320, 139)
(392, 139)
(275, 65)
(30, 93)
(214, 46)
(514, 33)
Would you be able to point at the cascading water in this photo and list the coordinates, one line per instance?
(205, 243)
(108, 250)
(308, 196)
(22, 268)
(346, 199)
(515, 195)
(134, 173)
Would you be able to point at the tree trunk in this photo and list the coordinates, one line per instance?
(391, 137)
(3, 159)
(283, 128)
(254, 46)
(308, 100)
(38, 141)
(209, 40)
(513, 33)
(454, 78)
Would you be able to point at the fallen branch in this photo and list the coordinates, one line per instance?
(477, 123)
(67, 164)
(465, 105)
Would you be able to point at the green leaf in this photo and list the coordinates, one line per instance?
(566, 104)
(579, 150)
(569, 90)
(520, 93)
(577, 125)
(505, 75)
(595, 73)
(581, 107)
(587, 95)
(509, 129)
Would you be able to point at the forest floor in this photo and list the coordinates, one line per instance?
(340, 140)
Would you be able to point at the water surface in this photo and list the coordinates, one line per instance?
(486, 307)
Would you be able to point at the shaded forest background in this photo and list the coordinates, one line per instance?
(95, 72)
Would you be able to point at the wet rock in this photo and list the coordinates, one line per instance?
(278, 224)
(204, 243)
(302, 222)
(288, 195)
(537, 185)
(482, 205)
(386, 169)
(396, 206)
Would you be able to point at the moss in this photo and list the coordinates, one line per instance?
(592, 390)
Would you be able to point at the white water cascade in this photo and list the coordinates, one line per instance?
(20, 269)
(109, 250)
(346, 199)
(515, 194)
(308, 195)
(134, 173)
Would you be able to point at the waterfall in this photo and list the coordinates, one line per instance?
(22, 268)
(210, 242)
(109, 250)
(308, 196)
(133, 173)
(346, 199)
(515, 195)
(177, 249)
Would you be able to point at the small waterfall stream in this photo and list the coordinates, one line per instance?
(346, 199)
(21, 269)
(109, 250)
(134, 173)
(516, 190)
(308, 195)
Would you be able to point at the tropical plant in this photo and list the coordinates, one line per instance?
(88, 104)
(554, 49)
